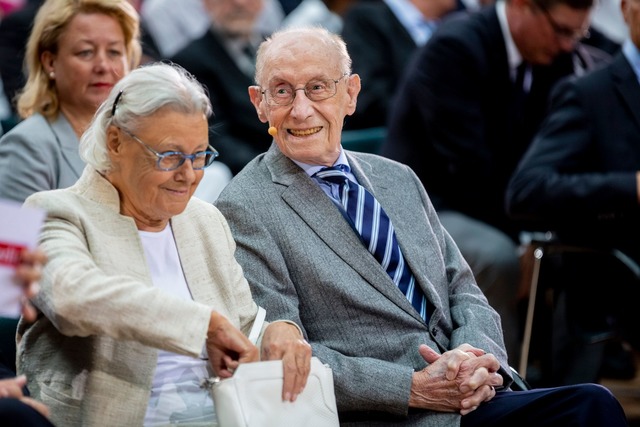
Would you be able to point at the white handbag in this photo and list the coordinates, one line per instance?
(253, 398)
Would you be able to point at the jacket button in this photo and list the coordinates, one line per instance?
(434, 332)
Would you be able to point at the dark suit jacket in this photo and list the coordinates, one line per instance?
(579, 175)
(455, 120)
(380, 48)
(305, 263)
(236, 131)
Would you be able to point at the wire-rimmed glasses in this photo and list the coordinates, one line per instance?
(171, 160)
(283, 94)
(562, 31)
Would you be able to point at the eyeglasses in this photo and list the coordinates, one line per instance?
(561, 31)
(316, 90)
(172, 160)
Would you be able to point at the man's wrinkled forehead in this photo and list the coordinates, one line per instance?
(291, 54)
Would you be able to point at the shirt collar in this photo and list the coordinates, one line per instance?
(513, 54)
(312, 169)
(632, 53)
(412, 19)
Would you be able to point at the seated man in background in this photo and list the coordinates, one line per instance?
(580, 178)
(464, 114)
(349, 247)
(222, 59)
(382, 37)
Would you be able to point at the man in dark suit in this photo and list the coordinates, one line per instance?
(462, 123)
(382, 37)
(581, 178)
(222, 60)
(302, 249)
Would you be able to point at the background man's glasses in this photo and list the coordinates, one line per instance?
(562, 31)
(316, 90)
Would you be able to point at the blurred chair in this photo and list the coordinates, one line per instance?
(541, 245)
(364, 140)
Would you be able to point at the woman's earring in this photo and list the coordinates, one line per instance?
(52, 75)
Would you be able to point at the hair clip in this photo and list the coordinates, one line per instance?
(115, 103)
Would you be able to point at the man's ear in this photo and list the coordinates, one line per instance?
(353, 89)
(257, 99)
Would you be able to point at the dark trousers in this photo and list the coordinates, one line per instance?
(585, 405)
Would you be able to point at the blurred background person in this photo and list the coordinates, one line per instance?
(14, 32)
(465, 112)
(223, 60)
(382, 37)
(17, 409)
(142, 299)
(77, 51)
(170, 27)
(580, 178)
(325, 13)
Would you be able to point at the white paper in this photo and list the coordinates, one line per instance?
(19, 229)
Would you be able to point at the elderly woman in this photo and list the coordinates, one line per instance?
(77, 51)
(141, 276)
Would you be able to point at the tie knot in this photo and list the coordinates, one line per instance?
(336, 174)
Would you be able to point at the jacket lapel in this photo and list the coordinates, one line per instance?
(626, 83)
(308, 201)
(69, 142)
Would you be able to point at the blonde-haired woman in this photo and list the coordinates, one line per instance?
(77, 51)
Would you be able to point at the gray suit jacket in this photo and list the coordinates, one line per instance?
(38, 155)
(305, 263)
(92, 355)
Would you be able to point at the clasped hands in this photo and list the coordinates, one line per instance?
(458, 380)
(228, 347)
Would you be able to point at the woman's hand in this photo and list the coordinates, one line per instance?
(227, 346)
(282, 340)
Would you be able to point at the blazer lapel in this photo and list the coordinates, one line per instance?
(412, 249)
(68, 140)
(308, 201)
(626, 83)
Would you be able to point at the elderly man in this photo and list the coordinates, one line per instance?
(349, 247)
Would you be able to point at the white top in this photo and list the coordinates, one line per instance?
(176, 395)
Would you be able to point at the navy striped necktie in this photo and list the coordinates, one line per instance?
(377, 233)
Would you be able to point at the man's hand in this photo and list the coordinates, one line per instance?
(458, 380)
(282, 340)
(227, 346)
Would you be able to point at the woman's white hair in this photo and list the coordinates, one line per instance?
(141, 93)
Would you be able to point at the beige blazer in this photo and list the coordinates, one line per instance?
(92, 353)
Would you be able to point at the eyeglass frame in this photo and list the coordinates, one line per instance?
(560, 30)
(210, 150)
(304, 89)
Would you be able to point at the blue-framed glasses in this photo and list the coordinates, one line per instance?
(171, 160)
